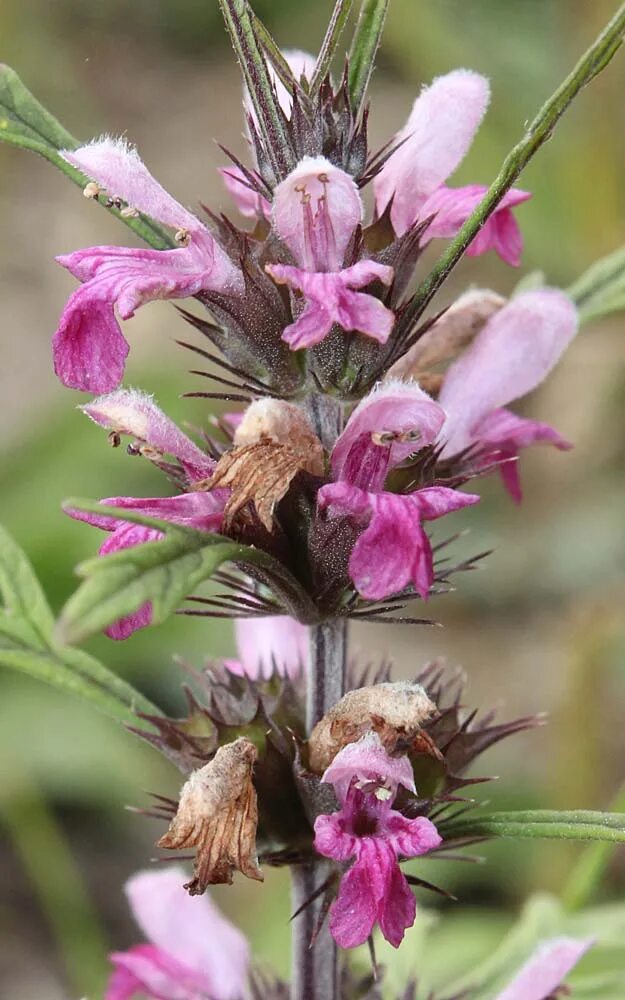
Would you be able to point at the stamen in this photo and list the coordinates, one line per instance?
(182, 237)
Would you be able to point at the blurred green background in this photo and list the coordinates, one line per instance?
(538, 628)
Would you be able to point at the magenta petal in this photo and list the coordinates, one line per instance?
(355, 910)
(192, 931)
(434, 140)
(331, 838)
(546, 969)
(514, 352)
(201, 510)
(126, 536)
(398, 909)
(89, 348)
(393, 551)
(411, 837)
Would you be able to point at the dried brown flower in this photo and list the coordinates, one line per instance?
(395, 711)
(218, 815)
(453, 332)
(272, 444)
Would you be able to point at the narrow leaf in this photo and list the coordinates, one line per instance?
(24, 122)
(364, 49)
(271, 120)
(540, 823)
(48, 668)
(330, 43)
(21, 592)
(601, 289)
(280, 65)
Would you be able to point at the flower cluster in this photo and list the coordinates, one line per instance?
(363, 423)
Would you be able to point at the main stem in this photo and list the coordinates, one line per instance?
(314, 970)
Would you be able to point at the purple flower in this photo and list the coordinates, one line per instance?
(367, 828)
(393, 550)
(546, 969)
(194, 952)
(89, 347)
(316, 210)
(512, 355)
(433, 142)
(267, 646)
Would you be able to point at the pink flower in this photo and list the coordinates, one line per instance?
(89, 347)
(250, 203)
(512, 355)
(267, 646)
(435, 139)
(316, 210)
(367, 828)
(203, 511)
(393, 550)
(546, 969)
(194, 952)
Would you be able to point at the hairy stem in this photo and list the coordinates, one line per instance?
(314, 969)
(595, 59)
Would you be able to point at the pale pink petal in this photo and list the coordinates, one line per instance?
(116, 166)
(330, 300)
(367, 760)
(190, 929)
(134, 413)
(451, 208)
(249, 202)
(514, 352)
(546, 969)
(148, 971)
(315, 211)
(399, 409)
(438, 133)
(275, 644)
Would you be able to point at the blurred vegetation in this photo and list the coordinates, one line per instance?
(539, 628)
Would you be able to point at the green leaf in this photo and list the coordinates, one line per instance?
(28, 646)
(161, 572)
(340, 15)
(24, 122)
(601, 289)
(364, 48)
(48, 667)
(540, 823)
(21, 594)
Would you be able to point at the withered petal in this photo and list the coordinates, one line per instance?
(218, 815)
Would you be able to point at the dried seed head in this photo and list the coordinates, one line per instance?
(449, 336)
(218, 815)
(395, 711)
(128, 212)
(273, 442)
